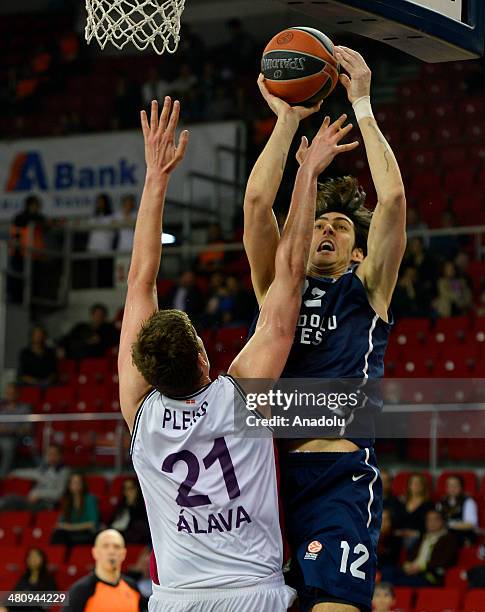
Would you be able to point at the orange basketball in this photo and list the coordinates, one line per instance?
(299, 66)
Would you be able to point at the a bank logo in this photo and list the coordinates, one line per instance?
(28, 172)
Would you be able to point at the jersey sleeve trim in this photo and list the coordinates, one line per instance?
(137, 418)
(243, 395)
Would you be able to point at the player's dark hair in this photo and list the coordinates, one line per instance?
(344, 195)
(166, 353)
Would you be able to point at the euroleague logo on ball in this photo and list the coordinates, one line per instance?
(286, 37)
(314, 547)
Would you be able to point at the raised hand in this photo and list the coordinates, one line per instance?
(281, 108)
(162, 155)
(325, 147)
(358, 85)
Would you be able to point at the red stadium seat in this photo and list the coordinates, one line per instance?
(458, 181)
(94, 371)
(404, 599)
(453, 157)
(59, 399)
(81, 557)
(411, 330)
(470, 556)
(12, 559)
(474, 601)
(469, 478)
(450, 329)
(16, 519)
(117, 484)
(133, 551)
(67, 369)
(46, 519)
(8, 537)
(56, 556)
(30, 395)
(36, 536)
(17, 486)
(66, 576)
(97, 485)
(422, 158)
(400, 482)
(455, 578)
(437, 600)
(447, 133)
(93, 398)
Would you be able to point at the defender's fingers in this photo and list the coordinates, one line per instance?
(167, 103)
(348, 147)
(154, 115)
(343, 132)
(174, 119)
(144, 123)
(336, 125)
(324, 126)
(182, 145)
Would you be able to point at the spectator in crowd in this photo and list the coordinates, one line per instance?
(126, 216)
(11, 433)
(436, 551)
(454, 296)
(241, 47)
(38, 361)
(414, 222)
(459, 510)
(384, 598)
(191, 47)
(51, 479)
(389, 545)
(154, 88)
(446, 247)
(418, 256)
(185, 81)
(130, 517)
(106, 588)
(127, 97)
(417, 504)
(212, 259)
(93, 338)
(405, 298)
(101, 240)
(26, 232)
(35, 578)
(235, 306)
(79, 518)
(186, 296)
(389, 500)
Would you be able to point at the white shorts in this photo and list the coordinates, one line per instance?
(269, 595)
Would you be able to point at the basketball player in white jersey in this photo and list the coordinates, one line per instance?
(211, 497)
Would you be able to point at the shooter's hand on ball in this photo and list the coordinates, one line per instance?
(162, 155)
(358, 85)
(325, 147)
(282, 109)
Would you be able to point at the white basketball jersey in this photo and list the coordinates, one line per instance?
(211, 497)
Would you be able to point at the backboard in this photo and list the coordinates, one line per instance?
(431, 30)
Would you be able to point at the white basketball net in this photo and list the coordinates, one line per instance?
(142, 22)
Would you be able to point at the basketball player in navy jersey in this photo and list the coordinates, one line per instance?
(332, 489)
(216, 539)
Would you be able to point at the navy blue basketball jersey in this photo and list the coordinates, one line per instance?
(338, 334)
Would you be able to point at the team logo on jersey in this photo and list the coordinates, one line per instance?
(313, 550)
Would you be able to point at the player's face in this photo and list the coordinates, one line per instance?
(333, 241)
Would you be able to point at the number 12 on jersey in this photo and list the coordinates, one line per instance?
(219, 452)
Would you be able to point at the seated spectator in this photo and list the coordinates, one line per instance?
(35, 578)
(51, 479)
(389, 545)
(446, 247)
(211, 259)
(185, 81)
(126, 216)
(236, 306)
(130, 517)
(390, 501)
(101, 240)
(241, 47)
(186, 296)
(383, 599)
(37, 362)
(154, 88)
(454, 297)
(11, 433)
(405, 298)
(436, 551)
(459, 510)
(79, 518)
(417, 504)
(93, 338)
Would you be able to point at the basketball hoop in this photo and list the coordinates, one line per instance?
(141, 22)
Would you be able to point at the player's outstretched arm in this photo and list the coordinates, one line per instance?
(261, 234)
(162, 155)
(387, 234)
(265, 355)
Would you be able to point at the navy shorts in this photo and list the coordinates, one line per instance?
(333, 507)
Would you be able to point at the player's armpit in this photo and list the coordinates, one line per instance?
(385, 249)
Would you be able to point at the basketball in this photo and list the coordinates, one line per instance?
(299, 66)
